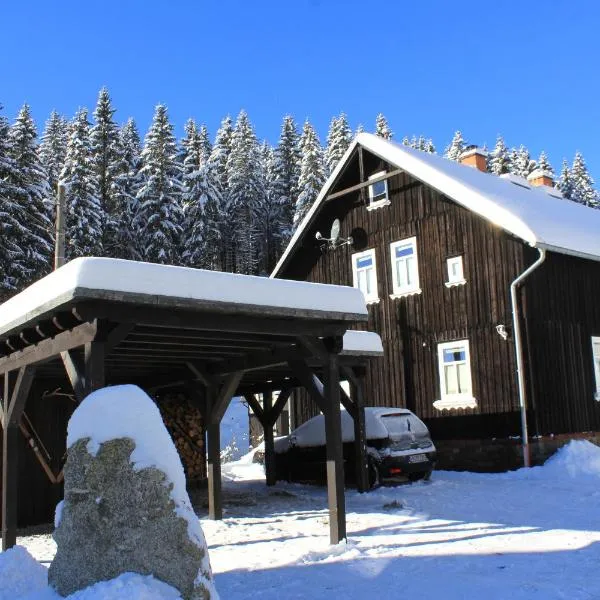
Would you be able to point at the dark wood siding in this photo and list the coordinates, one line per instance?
(412, 326)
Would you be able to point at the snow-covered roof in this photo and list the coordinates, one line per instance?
(529, 213)
(362, 343)
(164, 285)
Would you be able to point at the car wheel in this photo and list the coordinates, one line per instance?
(374, 475)
(427, 475)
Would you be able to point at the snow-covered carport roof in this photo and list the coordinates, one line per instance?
(537, 215)
(97, 320)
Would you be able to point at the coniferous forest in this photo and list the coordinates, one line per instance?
(227, 203)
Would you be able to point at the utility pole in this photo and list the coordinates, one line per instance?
(59, 246)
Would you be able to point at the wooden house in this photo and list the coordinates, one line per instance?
(484, 289)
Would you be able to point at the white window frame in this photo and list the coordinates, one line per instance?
(414, 287)
(458, 279)
(596, 359)
(461, 400)
(374, 295)
(373, 204)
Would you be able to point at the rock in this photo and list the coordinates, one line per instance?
(118, 518)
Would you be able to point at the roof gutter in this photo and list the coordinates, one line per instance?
(519, 353)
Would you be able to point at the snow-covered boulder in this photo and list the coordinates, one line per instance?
(126, 508)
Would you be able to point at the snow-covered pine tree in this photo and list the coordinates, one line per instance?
(405, 141)
(583, 184)
(84, 217)
(245, 192)
(205, 145)
(31, 188)
(10, 222)
(312, 172)
(338, 140)
(268, 214)
(565, 181)
(53, 151)
(286, 173)
(382, 129)
(429, 146)
(359, 129)
(128, 182)
(104, 138)
(160, 216)
(456, 147)
(499, 161)
(544, 164)
(522, 164)
(218, 170)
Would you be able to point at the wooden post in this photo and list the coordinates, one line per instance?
(360, 436)
(268, 439)
(335, 456)
(59, 246)
(213, 447)
(94, 366)
(13, 405)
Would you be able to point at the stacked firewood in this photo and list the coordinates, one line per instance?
(184, 423)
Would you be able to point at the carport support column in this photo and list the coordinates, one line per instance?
(268, 438)
(335, 457)
(213, 435)
(360, 435)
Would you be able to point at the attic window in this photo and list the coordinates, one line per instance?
(455, 271)
(378, 192)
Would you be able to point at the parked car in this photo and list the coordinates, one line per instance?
(399, 448)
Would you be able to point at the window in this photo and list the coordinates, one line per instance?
(596, 356)
(454, 364)
(405, 268)
(378, 192)
(364, 271)
(455, 271)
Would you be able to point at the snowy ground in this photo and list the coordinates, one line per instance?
(524, 535)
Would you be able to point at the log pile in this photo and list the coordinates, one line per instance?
(185, 424)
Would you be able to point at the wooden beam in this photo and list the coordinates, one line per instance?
(213, 446)
(257, 361)
(223, 398)
(257, 409)
(200, 373)
(364, 184)
(116, 335)
(50, 348)
(31, 442)
(268, 440)
(310, 382)
(335, 453)
(10, 481)
(360, 435)
(282, 399)
(94, 354)
(75, 373)
(19, 395)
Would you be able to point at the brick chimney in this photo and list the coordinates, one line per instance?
(474, 157)
(539, 177)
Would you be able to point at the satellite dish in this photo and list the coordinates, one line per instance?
(335, 231)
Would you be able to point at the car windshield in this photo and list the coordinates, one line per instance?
(400, 424)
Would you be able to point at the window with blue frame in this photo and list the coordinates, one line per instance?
(378, 191)
(364, 272)
(405, 267)
(454, 363)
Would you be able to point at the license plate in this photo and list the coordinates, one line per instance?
(417, 458)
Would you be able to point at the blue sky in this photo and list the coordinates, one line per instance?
(527, 70)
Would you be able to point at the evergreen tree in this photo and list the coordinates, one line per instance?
(199, 192)
(11, 227)
(31, 187)
(338, 140)
(218, 170)
(544, 164)
(128, 182)
(382, 129)
(429, 146)
(359, 129)
(405, 141)
(104, 137)
(159, 218)
(583, 184)
(312, 172)
(53, 151)
(205, 145)
(84, 216)
(499, 161)
(522, 165)
(268, 213)
(245, 191)
(565, 182)
(456, 147)
(286, 173)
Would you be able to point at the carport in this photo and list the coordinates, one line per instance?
(104, 321)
